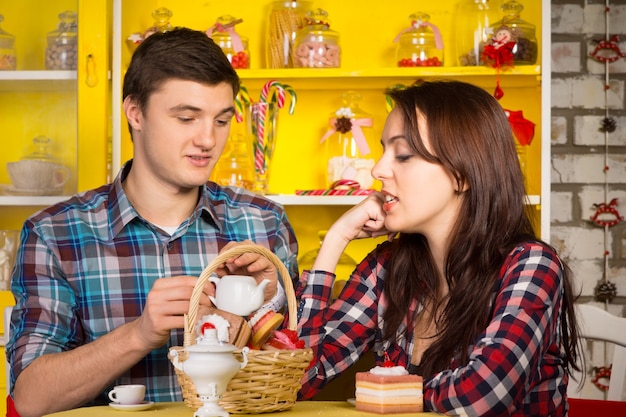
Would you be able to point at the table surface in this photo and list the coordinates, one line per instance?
(301, 409)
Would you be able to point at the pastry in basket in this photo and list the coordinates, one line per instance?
(231, 328)
(389, 389)
(263, 322)
(285, 339)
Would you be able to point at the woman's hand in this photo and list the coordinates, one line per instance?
(366, 219)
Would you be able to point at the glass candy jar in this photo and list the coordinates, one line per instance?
(523, 33)
(285, 19)
(345, 265)
(421, 44)
(8, 58)
(62, 50)
(161, 17)
(234, 168)
(348, 150)
(317, 46)
(474, 20)
(233, 44)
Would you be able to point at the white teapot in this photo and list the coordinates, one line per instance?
(210, 365)
(238, 294)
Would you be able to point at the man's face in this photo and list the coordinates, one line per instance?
(180, 134)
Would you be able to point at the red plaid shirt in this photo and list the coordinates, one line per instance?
(515, 368)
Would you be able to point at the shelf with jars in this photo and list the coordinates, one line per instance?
(364, 32)
(58, 89)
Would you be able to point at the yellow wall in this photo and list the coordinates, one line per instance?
(367, 29)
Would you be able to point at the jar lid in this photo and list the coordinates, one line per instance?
(4, 34)
(40, 149)
(162, 17)
(67, 26)
(317, 17)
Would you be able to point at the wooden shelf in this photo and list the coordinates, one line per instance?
(25, 81)
(31, 201)
(313, 78)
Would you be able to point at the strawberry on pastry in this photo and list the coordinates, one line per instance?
(285, 339)
(263, 322)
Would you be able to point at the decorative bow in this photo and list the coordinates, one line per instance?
(230, 29)
(415, 24)
(355, 129)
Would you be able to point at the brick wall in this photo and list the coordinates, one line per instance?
(578, 151)
(578, 104)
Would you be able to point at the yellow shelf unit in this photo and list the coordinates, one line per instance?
(367, 29)
(72, 107)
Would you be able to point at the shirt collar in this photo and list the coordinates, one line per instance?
(121, 211)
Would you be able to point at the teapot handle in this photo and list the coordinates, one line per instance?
(244, 353)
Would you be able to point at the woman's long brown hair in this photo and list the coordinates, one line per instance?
(470, 137)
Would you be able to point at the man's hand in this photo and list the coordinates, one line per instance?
(252, 264)
(167, 302)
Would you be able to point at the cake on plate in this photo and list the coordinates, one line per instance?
(387, 390)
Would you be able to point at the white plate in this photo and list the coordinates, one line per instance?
(351, 401)
(132, 407)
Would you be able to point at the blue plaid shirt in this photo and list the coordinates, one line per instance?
(86, 265)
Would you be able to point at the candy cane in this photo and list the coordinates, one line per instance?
(259, 156)
(243, 97)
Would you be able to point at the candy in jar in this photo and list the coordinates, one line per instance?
(473, 25)
(234, 45)
(348, 151)
(317, 46)
(420, 45)
(286, 18)
(62, 50)
(8, 60)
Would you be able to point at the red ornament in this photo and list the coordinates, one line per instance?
(523, 129)
(607, 50)
(499, 54)
(602, 216)
(602, 372)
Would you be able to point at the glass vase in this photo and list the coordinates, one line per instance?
(262, 126)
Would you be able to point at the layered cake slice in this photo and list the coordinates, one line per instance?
(387, 390)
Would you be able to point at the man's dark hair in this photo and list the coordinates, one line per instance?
(181, 53)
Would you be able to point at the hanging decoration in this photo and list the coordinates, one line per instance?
(523, 129)
(498, 54)
(602, 377)
(606, 51)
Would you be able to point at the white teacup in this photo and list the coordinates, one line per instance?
(128, 394)
(37, 175)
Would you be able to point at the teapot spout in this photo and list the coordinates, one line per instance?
(260, 291)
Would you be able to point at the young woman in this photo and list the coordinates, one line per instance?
(463, 292)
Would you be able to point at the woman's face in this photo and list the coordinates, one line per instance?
(420, 196)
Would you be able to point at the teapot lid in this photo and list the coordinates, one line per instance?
(208, 342)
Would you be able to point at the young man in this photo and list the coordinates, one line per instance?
(103, 279)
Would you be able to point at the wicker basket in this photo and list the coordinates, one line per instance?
(271, 379)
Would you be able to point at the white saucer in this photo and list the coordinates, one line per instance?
(9, 189)
(132, 407)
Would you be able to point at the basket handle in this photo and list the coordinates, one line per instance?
(194, 302)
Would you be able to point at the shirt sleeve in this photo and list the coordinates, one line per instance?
(507, 356)
(339, 333)
(43, 320)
